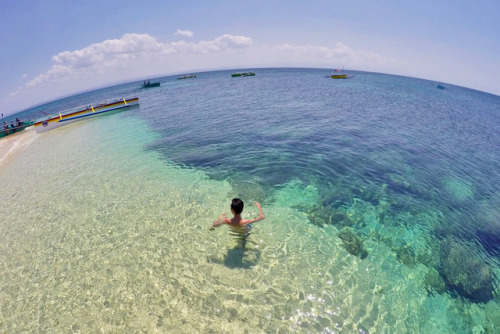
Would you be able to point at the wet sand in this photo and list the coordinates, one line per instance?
(13, 144)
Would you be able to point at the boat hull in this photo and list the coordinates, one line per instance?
(339, 76)
(89, 112)
(4, 133)
(150, 85)
(243, 74)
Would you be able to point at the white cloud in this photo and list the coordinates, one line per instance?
(339, 54)
(186, 33)
(223, 42)
(130, 51)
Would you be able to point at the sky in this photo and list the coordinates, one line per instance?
(56, 48)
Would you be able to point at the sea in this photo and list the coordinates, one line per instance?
(380, 194)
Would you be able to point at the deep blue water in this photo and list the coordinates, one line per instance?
(423, 158)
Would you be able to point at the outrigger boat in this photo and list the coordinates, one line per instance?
(20, 126)
(340, 75)
(148, 84)
(90, 111)
(187, 76)
(244, 74)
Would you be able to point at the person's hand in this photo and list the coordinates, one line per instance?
(219, 221)
(261, 214)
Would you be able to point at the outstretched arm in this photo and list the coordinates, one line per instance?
(221, 220)
(261, 215)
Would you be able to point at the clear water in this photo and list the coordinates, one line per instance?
(380, 194)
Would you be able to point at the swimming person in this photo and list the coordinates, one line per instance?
(238, 224)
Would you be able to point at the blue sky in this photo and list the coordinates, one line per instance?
(54, 48)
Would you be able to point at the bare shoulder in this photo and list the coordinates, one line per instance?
(246, 221)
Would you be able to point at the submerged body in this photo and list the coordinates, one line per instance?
(237, 224)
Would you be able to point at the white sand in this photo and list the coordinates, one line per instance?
(13, 144)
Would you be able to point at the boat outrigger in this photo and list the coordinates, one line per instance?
(90, 111)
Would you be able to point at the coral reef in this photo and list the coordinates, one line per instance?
(325, 215)
(352, 243)
(343, 196)
(433, 282)
(466, 273)
(406, 255)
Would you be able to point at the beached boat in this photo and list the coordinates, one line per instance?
(148, 84)
(187, 76)
(88, 112)
(243, 74)
(19, 126)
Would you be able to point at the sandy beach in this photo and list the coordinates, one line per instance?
(13, 144)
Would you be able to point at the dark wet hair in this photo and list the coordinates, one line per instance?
(237, 205)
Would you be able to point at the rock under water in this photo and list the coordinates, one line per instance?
(466, 274)
(352, 243)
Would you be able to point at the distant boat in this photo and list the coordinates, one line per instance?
(148, 84)
(440, 86)
(13, 128)
(187, 76)
(88, 112)
(243, 74)
(340, 75)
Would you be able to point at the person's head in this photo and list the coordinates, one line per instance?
(237, 206)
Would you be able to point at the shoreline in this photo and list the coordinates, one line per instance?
(11, 145)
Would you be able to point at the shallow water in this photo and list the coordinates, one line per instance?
(373, 189)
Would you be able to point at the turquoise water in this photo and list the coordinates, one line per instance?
(380, 194)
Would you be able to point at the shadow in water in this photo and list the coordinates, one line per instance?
(240, 256)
